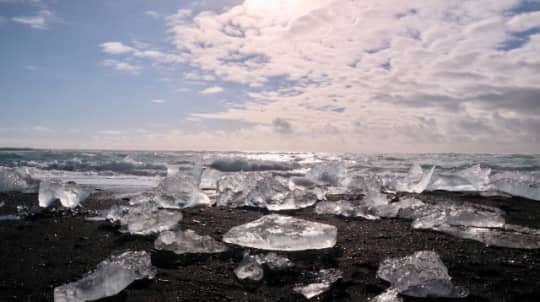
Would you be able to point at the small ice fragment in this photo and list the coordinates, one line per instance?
(324, 280)
(275, 261)
(282, 233)
(422, 274)
(181, 242)
(17, 179)
(2, 204)
(390, 295)
(69, 194)
(109, 278)
(144, 219)
(249, 268)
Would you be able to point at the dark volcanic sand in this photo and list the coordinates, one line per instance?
(50, 249)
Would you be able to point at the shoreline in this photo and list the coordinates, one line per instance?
(54, 248)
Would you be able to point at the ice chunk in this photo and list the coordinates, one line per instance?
(474, 178)
(391, 295)
(210, 178)
(251, 266)
(329, 174)
(110, 278)
(237, 164)
(344, 208)
(416, 180)
(422, 274)
(264, 191)
(181, 242)
(69, 194)
(516, 187)
(176, 192)
(459, 215)
(282, 233)
(144, 219)
(510, 236)
(17, 179)
(324, 280)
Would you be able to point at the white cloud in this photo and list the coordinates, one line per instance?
(152, 14)
(212, 90)
(157, 101)
(38, 21)
(116, 48)
(110, 132)
(41, 129)
(409, 71)
(524, 22)
(122, 66)
(452, 74)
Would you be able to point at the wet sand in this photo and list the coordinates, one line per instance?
(56, 247)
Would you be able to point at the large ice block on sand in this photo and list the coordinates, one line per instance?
(185, 242)
(264, 191)
(144, 219)
(109, 278)
(69, 194)
(422, 274)
(282, 233)
(474, 178)
(17, 179)
(516, 187)
(458, 215)
(176, 192)
(323, 281)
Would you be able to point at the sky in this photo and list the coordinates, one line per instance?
(283, 75)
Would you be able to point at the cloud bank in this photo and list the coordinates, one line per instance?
(445, 75)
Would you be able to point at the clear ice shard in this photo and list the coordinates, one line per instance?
(109, 278)
(323, 281)
(69, 194)
(416, 180)
(264, 191)
(210, 178)
(251, 266)
(176, 192)
(282, 233)
(144, 219)
(422, 274)
(391, 295)
(187, 242)
(17, 179)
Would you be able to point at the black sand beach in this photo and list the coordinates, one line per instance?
(52, 248)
